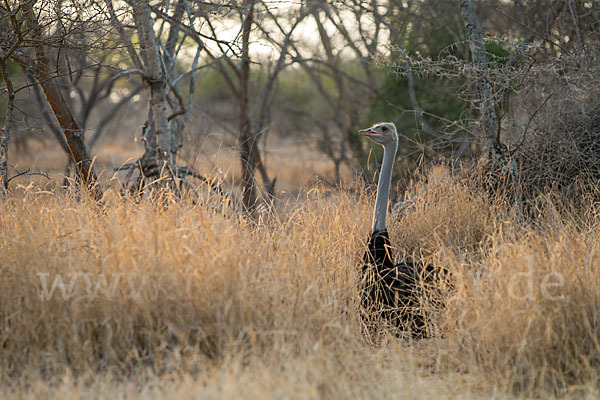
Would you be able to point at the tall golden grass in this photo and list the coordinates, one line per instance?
(194, 302)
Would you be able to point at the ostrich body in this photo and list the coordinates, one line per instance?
(390, 292)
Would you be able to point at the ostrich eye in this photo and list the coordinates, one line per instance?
(385, 128)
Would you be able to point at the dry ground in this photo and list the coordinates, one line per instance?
(183, 300)
(295, 164)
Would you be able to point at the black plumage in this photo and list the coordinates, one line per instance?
(394, 293)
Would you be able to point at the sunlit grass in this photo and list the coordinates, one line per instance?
(197, 301)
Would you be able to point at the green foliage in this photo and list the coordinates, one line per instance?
(496, 52)
(297, 87)
(13, 70)
(435, 95)
(211, 85)
(432, 36)
(433, 33)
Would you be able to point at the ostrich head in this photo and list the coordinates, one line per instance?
(382, 132)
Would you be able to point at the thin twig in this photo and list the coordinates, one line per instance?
(27, 172)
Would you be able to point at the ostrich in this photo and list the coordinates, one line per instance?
(390, 292)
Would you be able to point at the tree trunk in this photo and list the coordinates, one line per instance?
(503, 164)
(48, 116)
(176, 125)
(5, 131)
(157, 140)
(40, 69)
(247, 140)
(488, 119)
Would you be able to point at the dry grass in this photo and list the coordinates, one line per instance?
(200, 303)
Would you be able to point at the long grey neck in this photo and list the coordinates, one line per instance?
(383, 187)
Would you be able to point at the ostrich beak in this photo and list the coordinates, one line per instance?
(368, 132)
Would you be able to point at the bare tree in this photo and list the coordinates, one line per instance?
(249, 154)
(489, 122)
(38, 65)
(253, 105)
(82, 65)
(156, 63)
(8, 122)
(348, 35)
(502, 160)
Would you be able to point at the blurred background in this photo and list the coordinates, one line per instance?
(266, 97)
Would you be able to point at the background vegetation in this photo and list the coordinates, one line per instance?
(217, 252)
